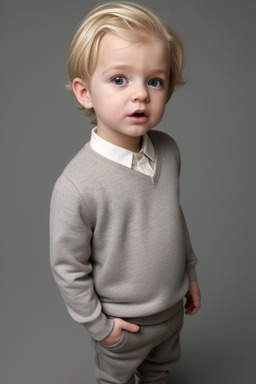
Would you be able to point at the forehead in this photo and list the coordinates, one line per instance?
(149, 52)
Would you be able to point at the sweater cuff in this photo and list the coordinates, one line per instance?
(100, 328)
(192, 276)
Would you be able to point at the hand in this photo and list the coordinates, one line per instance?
(193, 299)
(117, 331)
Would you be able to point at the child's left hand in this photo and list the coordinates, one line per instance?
(193, 299)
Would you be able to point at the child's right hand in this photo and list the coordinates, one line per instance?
(117, 331)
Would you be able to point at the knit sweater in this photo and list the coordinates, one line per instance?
(119, 245)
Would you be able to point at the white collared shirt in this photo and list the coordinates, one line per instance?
(143, 162)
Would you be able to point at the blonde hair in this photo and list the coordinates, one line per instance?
(129, 21)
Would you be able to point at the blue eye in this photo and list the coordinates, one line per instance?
(119, 80)
(155, 83)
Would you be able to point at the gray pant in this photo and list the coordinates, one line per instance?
(149, 353)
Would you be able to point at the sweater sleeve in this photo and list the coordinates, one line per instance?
(191, 259)
(70, 237)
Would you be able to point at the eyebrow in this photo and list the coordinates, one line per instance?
(116, 68)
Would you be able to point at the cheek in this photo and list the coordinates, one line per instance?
(106, 108)
(160, 106)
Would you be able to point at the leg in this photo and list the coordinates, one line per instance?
(150, 353)
(116, 364)
(156, 366)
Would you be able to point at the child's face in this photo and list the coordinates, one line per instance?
(129, 87)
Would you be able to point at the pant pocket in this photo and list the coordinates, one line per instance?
(116, 345)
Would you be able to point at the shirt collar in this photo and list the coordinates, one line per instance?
(147, 147)
(118, 154)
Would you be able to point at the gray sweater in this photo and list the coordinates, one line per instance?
(119, 245)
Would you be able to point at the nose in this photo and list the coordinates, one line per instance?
(140, 92)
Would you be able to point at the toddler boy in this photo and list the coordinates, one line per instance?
(120, 249)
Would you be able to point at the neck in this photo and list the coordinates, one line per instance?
(131, 143)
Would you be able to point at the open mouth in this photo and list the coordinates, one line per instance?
(139, 117)
(139, 114)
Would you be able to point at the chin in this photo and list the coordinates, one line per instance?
(138, 131)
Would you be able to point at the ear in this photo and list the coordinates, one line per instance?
(82, 93)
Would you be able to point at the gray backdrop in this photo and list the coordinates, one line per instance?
(213, 121)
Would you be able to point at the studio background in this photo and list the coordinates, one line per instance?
(213, 121)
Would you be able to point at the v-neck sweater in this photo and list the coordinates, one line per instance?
(119, 244)
(143, 161)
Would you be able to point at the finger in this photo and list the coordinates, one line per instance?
(193, 309)
(189, 303)
(130, 327)
(189, 309)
